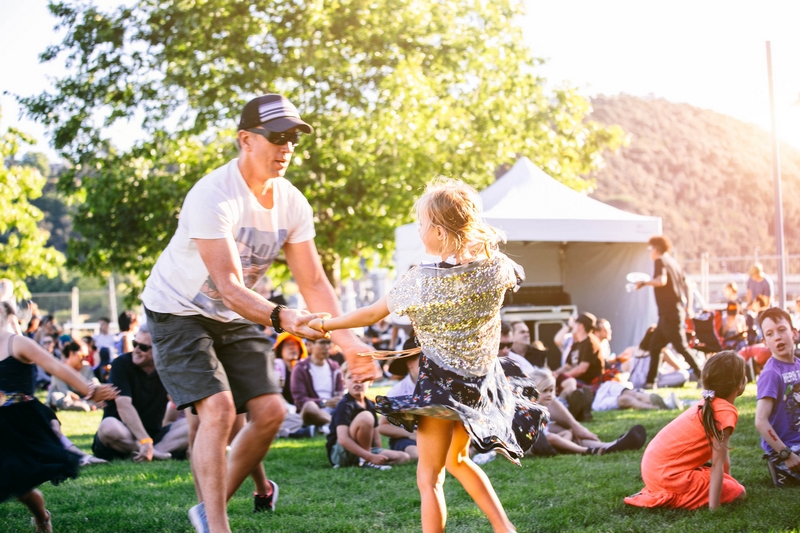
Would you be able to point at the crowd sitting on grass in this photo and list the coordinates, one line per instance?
(143, 425)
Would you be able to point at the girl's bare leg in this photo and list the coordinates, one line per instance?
(433, 441)
(34, 501)
(564, 445)
(474, 480)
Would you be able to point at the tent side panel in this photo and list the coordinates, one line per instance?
(595, 278)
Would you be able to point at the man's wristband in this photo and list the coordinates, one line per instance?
(147, 440)
(275, 318)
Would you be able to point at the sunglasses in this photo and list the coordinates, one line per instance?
(323, 341)
(505, 345)
(279, 138)
(142, 347)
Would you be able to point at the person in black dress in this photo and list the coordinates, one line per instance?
(30, 453)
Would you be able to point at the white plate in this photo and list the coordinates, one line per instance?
(636, 277)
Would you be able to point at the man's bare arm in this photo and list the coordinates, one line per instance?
(317, 291)
(221, 258)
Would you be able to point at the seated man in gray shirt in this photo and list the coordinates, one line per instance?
(60, 395)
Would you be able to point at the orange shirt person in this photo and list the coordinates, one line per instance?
(673, 465)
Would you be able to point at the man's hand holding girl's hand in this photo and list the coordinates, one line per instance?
(298, 323)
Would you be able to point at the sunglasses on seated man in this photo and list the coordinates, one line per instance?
(142, 347)
(279, 138)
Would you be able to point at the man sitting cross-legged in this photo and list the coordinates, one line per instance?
(131, 424)
(354, 439)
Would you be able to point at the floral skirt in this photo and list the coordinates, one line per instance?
(30, 453)
(498, 412)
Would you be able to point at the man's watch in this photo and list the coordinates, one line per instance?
(784, 453)
(275, 318)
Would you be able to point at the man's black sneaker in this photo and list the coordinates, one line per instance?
(266, 503)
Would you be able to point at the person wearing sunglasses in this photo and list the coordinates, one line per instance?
(132, 424)
(203, 313)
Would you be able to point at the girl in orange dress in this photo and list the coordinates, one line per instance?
(674, 464)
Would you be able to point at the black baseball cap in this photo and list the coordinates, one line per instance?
(588, 320)
(399, 367)
(272, 112)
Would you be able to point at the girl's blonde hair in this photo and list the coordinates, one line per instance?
(457, 208)
(722, 375)
(539, 375)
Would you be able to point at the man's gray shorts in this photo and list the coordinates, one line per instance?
(198, 356)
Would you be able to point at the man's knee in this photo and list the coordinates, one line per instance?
(266, 412)
(310, 408)
(113, 432)
(217, 409)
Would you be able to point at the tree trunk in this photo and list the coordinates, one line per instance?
(332, 264)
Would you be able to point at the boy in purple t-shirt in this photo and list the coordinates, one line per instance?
(778, 406)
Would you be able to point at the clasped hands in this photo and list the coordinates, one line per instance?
(304, 324)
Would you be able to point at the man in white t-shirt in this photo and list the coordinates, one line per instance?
(515, 344)
(105, 339)
(203, 315)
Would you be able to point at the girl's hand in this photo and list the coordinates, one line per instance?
(105, 392)
(315, 323)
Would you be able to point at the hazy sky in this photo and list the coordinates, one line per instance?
(710, 54)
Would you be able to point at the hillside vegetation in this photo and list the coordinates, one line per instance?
(707, 175)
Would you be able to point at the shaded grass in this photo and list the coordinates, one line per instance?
(564, 493)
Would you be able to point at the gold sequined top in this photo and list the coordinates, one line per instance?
(456, 311)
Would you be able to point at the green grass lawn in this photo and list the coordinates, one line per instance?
(565, 493)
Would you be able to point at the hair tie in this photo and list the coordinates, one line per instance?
(708, 394)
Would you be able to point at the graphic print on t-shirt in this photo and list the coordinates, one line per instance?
(793, 405)
(257, 250)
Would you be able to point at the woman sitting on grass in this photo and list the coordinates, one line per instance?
(674, 464)
(564, 441)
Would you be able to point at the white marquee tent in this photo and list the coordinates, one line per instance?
(565, 239)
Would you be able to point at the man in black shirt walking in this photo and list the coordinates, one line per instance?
(672, 300)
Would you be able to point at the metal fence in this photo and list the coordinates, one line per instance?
(78, 310)
(741, 264)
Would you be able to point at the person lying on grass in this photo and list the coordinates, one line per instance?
(564, 441)
(674, 464)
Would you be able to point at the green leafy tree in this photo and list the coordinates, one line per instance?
(55, 206)
(23, 250)
(397, 90)
(39, 161)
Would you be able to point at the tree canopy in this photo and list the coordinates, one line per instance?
(398, 91)
(23, 250)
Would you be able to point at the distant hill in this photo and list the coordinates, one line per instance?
(708, 176)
